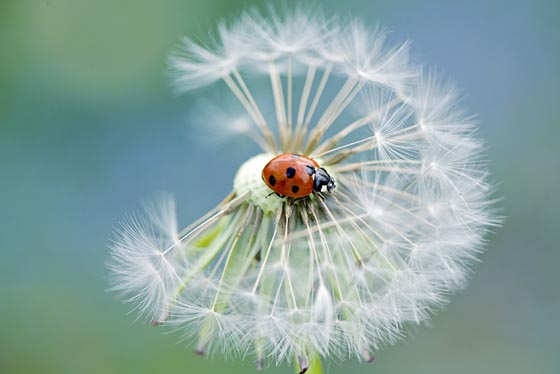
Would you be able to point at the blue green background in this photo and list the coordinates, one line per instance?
(89, 127)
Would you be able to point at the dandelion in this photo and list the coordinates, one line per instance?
(342, 271)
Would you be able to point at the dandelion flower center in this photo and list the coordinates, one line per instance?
(248, 180)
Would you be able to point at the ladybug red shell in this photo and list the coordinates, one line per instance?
(296, 176)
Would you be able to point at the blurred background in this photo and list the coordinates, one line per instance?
(89, 127)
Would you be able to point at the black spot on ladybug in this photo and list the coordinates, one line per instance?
(295, 189)
(272, 180)
(295, 155)
(290, 172)
(310, 169)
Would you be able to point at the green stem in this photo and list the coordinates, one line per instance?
(315, 366)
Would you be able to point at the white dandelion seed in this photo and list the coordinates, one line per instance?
(337, 274)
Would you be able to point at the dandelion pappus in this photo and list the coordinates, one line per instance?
(296, 176)
(324, 278)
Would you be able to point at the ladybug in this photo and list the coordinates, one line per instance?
(296, 176)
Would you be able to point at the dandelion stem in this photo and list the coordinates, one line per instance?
(278, 94)
(344, 97)
(342, 234)
(346, 151)
(199, 228)
(290, 94)
(299, 136)
(316, 97)
(232, 248)
(326, 250)
(357, 124)
(265, 260)
(286, 245)
(333, 150)
(251, 107)
(361, 219)
(312, 246)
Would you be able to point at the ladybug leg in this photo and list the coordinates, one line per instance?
(293, 200)
(297, 199)
(319, 195)
(277, 194)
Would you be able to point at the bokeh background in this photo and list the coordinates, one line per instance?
(89, 127)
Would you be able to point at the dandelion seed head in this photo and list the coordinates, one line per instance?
(338, 273)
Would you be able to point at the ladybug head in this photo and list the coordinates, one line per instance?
(323, 179)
